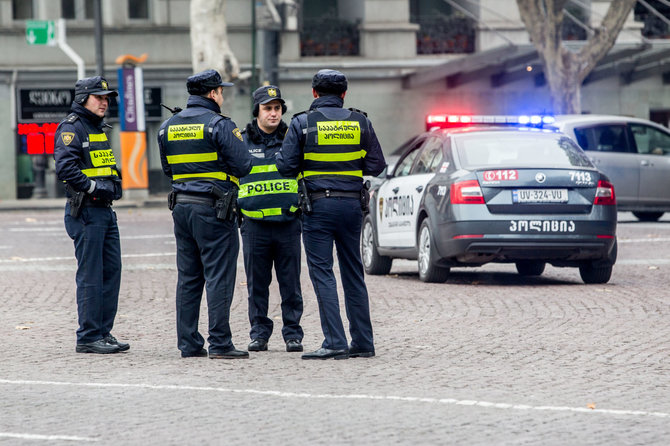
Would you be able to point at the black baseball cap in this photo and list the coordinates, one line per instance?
(205, 81)
(330, 82)
(96, 85)
(267, 93)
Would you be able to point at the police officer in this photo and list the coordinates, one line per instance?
(271, 228)
(204, 154)
(85, 163)
(333, 148)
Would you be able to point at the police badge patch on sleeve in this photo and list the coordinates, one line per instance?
(67, 137)
(237, 133)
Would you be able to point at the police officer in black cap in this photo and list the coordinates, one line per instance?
(204, 154)
(271, 227)
(86, 164)
(333, 148)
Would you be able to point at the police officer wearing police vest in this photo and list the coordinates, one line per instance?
(204, 154)
(333, 148)
(271, 228)
(85, 163)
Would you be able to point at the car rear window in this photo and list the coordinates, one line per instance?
(518, 150)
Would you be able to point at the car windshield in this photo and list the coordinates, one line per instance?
(519, 150)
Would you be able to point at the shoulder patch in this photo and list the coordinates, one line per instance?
(67, 137)
(237, 133)
(358, 111)
(72, 117)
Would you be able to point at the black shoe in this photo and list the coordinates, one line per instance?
(230, 354)
(258, 345)
(112, 340)
(358, 353)
(326, 353)
(99, 346)
(293, 345)
(199, 354)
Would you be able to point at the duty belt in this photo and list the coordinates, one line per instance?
(333, 193)
(195, 199)
(95, 203)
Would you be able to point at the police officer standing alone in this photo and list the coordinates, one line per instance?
(271, 228)
(85, 162)
(333, 148)
(204, 154)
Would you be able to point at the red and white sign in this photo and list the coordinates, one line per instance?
(501, 175)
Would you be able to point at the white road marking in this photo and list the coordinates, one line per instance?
(644, 240)
(45, 437)
(408, 399)
(50, 259)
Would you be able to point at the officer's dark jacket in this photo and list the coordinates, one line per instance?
(200, 148)
(82, 151)
(264, 193)
(331, 155)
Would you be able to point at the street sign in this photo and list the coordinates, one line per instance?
(41, 32)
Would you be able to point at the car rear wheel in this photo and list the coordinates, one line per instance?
(591, 273)
(428, 270)
(373, 263)
(648, 216)
(530, 267)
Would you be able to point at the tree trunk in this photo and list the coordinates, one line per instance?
(565, 70)
(209, 39)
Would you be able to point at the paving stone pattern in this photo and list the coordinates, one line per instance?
(550, 345)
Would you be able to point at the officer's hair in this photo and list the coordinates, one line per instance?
(329, 92)
(257, 108)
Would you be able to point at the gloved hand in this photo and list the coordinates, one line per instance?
(118, 190)
(104, 190)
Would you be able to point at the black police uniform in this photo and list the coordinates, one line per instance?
(86, 164)
(270, 233)
(204, 155)
(333, 148)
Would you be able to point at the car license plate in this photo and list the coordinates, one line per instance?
(540, 195)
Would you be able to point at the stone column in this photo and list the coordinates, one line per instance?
(386, 32)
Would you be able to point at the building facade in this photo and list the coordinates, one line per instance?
(404, 59)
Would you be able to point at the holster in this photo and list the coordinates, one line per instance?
(172, 199)
(225, 204)
(365, 200)
(305, 201)
(76, 200)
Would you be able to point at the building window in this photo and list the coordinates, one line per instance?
(22, 9)
(328, 30)
(441, 29)
(77, 9)
(138, 9)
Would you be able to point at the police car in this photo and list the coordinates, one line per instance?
(478, 189)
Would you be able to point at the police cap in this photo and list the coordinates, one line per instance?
(329, 82)
(96, 85)
(205, 81)
(265, 94)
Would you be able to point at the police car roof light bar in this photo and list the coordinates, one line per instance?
(452, 121)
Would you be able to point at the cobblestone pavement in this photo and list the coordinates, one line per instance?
(486, 358)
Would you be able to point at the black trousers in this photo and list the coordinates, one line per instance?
(337, 221)
(266, 244)
(207, 250)
(98, 252)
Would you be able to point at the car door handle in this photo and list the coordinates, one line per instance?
(419, 188)
(395, 190)
(644, 163)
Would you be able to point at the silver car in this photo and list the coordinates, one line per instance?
(634, 153)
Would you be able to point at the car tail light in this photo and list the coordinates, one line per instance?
(466, 192)
(605, 193)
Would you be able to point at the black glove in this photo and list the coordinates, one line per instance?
(104, 190)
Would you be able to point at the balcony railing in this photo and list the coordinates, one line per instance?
(444, 34)
(329, 37)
